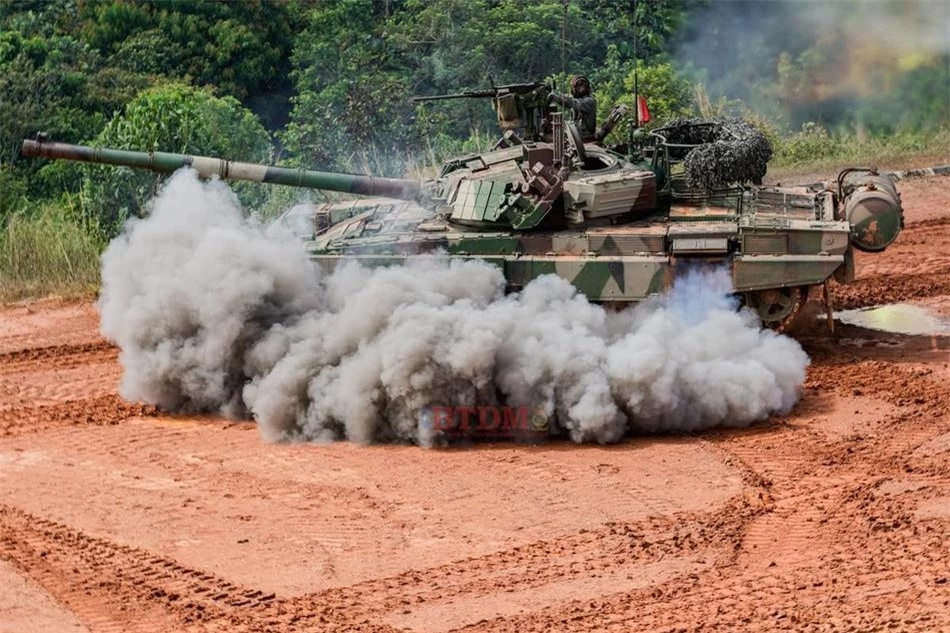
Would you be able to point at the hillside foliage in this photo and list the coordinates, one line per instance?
(327, 83)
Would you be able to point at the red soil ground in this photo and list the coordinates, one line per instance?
(115, 517)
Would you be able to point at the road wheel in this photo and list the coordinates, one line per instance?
(777, 307)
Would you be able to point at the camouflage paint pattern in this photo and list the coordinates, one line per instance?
(626, 262)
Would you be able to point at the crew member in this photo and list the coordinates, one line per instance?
(582, 104)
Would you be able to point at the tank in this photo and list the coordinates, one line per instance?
(618, 222)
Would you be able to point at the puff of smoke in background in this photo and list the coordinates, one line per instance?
(876, 64)
(216, 313)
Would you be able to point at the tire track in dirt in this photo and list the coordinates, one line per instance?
(843, 550)
(837, 579)
(105, 410)
(46, 323)
(761, 454)
(113, 587)
(57, 357)
(577, 556)
(38, 388)
(893, 288)
(94, 576)
(33, 402)
(730, 600)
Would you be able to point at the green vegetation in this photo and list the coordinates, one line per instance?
(814, 145)
(47, 250)
(172, 118)
(814, 150)
(326, 84)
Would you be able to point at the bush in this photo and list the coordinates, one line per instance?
(171, 118)
(813, 142)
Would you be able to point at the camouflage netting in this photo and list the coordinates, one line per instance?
(730, 151)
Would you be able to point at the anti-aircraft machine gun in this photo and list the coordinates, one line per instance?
(525, 113)
(518, 106)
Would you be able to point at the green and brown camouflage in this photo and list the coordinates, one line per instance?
(766, 246)
(619, 226)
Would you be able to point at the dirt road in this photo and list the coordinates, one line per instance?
(114, 517)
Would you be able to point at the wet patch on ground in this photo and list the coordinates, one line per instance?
(899, 318)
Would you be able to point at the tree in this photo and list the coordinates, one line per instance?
(233, 46)
(56, 84)
(352, 90)
(357, 62)
(668, 94)
(172, 118)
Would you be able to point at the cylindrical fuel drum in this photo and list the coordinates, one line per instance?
(873, 208)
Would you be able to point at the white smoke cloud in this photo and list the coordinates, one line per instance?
(216, 313)
(818, 60)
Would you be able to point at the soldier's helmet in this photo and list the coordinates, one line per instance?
(580, 86)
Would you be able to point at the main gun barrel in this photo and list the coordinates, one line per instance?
(164, 162)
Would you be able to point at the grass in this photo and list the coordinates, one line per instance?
(44, 251)
(815, 151)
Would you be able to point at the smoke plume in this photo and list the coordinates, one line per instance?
(847, 61)
(215, 313)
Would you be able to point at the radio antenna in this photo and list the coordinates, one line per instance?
(636, 68)
(563, 36)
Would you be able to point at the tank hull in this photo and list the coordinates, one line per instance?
(769, 239)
